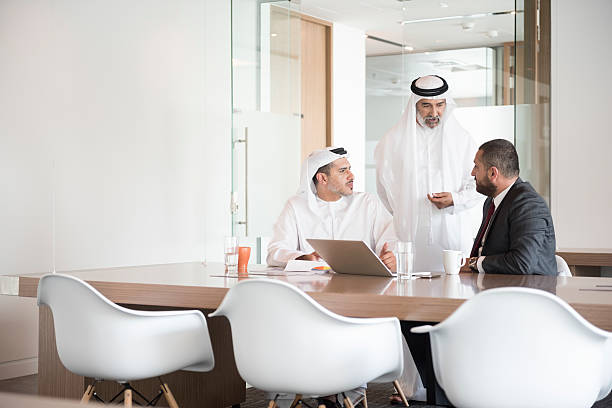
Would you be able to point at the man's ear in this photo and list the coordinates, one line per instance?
(493, 173)
(321, 178)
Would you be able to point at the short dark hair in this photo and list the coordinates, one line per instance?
(324, 169)
(501, 154)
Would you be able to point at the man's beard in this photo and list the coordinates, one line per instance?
(428, 121)
(432, 121)
(346, 191)
(486, 187)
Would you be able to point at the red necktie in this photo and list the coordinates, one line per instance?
(482, 231)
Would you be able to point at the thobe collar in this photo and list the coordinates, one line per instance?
(336, 203)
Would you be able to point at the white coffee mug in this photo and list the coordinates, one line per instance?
(453, 261)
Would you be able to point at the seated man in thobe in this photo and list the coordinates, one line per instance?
(326, 207)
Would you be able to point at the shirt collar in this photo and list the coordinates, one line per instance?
(323, 203)
(500, 197)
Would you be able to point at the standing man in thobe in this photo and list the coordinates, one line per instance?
(423, 167)
(326, 207)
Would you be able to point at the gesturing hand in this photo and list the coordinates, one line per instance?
(441, 200)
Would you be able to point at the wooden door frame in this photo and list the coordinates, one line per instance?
(328, 72)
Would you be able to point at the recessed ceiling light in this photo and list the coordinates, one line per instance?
(478, 15)
(408, 48)
(273, 35)
(492, 33)
(443, 5)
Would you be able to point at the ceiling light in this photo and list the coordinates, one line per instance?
(479, 15)
(408, 48)
(273, 35)
(492, 33)
(443, 5)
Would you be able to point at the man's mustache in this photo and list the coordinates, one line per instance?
(432, 118)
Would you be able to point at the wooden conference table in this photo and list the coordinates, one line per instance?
(198, 286)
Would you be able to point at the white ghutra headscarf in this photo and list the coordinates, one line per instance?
(311, 164)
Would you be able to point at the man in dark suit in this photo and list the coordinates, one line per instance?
(517, 234)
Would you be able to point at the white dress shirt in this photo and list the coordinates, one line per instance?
(497, 200)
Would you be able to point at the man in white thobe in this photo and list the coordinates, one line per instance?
(423, 167)
(326, 207)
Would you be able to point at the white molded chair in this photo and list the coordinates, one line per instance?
(562, 268)
(99, 339)
(520, 347)
(285, 342)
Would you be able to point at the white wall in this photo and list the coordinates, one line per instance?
(114, 145)
(348, 93)
(581, 138)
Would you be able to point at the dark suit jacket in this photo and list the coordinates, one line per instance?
(521, 239)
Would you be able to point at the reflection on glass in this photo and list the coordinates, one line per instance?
(500, 83)
(265, 121)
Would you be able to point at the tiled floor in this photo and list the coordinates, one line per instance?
(378, 394)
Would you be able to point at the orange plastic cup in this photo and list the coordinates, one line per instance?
(243, 258)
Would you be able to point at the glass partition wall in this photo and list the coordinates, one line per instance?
(266, 115)
(496, 58)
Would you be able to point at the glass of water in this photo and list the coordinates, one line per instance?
(230, 249)
(405, 260)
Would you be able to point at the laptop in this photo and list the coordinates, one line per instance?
(350, 257)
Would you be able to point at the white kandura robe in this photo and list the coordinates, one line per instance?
(428, 251)
(413, 160)
(359, 216)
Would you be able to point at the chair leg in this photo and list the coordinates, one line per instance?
(365, 399)
(399, 390)
(297, 401)
(127, 399)
(169, 397)
(272, 404)
(347, 402)
(88, 393)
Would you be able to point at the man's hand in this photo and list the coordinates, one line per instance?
(309, 257)
(388, 257)
(466, 267)
(441, 200)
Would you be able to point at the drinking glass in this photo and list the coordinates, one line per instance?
(230, 248)
(405, 260)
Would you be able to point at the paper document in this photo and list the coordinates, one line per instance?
(303, 266)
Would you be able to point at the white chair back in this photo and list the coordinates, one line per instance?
(286, 342)
(511, 347)
(97, 338)
(562, 268)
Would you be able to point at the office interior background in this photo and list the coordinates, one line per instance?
(143, 132)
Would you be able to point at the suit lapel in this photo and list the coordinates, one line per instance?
(502, 205)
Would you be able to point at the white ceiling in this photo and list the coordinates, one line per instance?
(381, 18)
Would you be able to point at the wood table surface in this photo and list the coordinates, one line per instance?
(196, 285)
